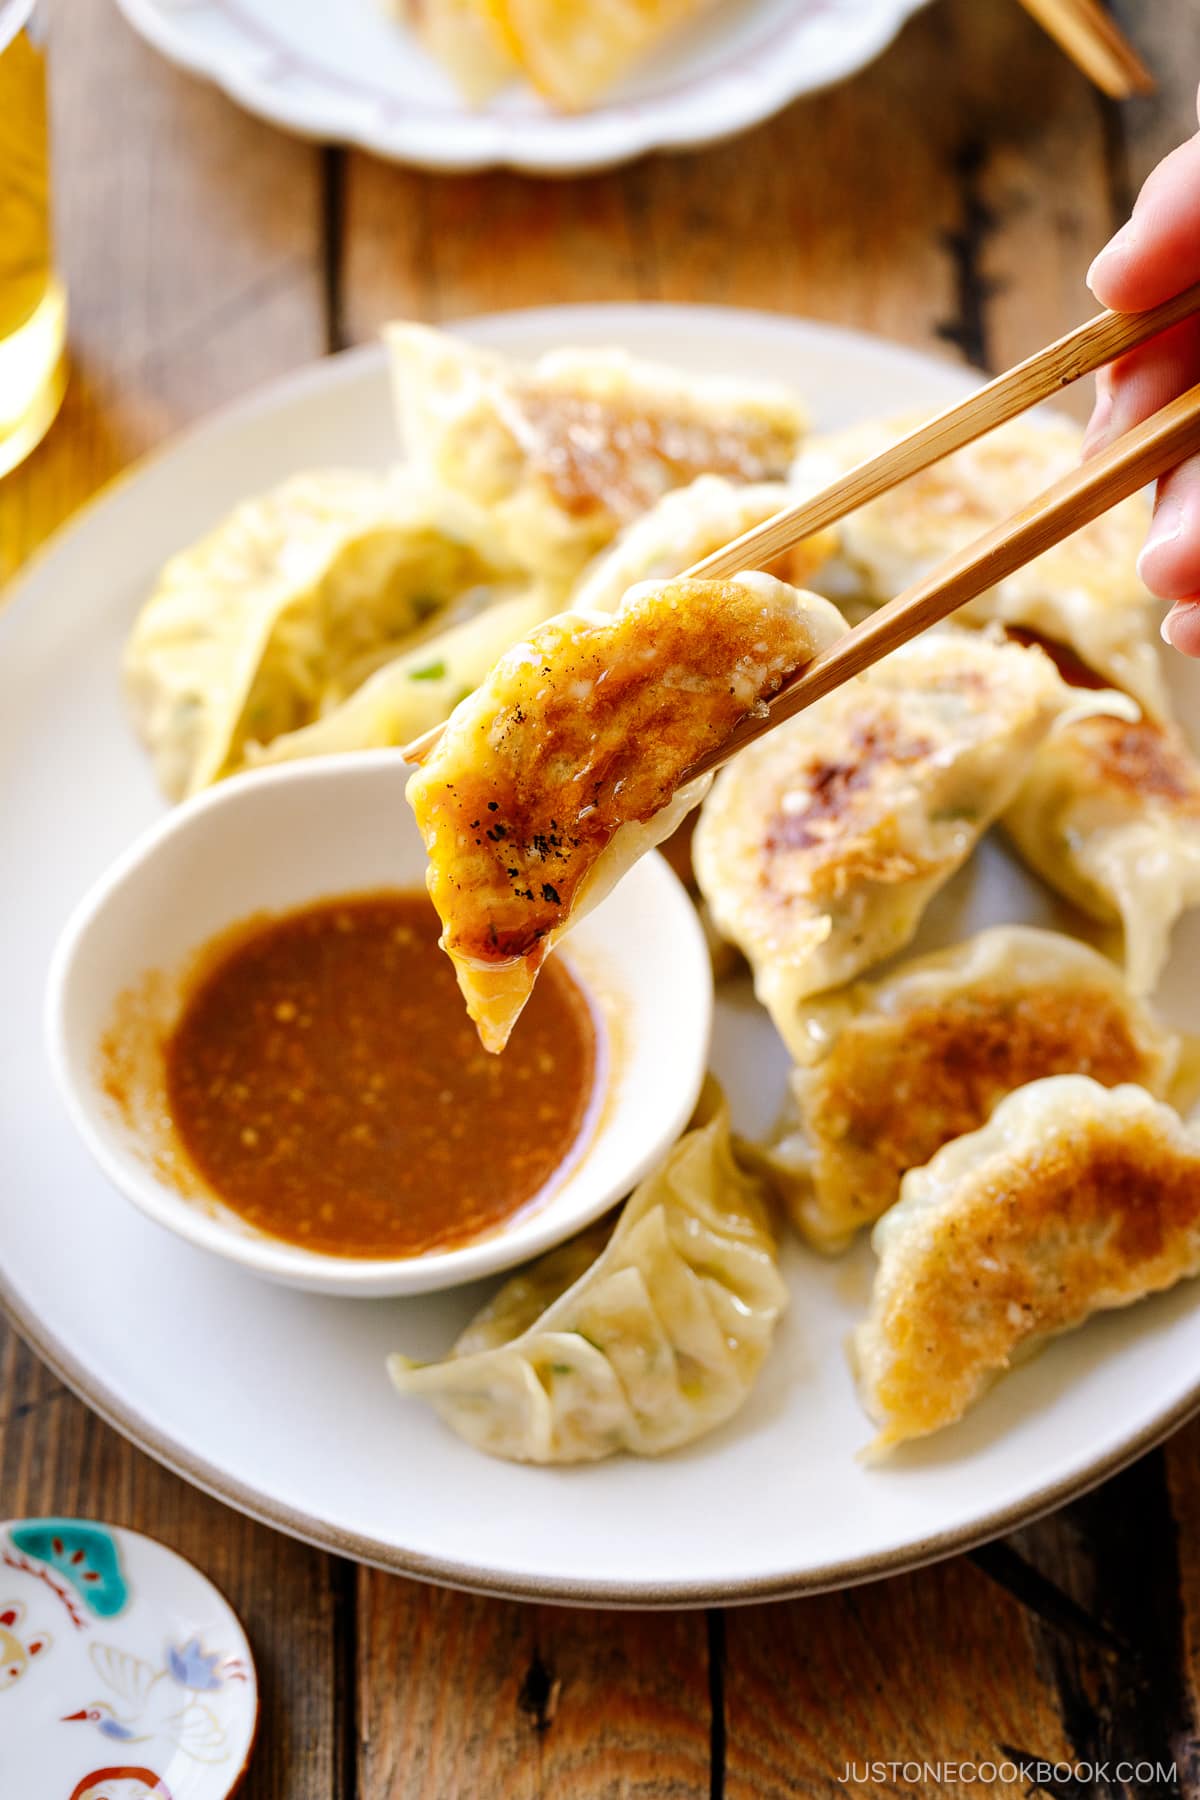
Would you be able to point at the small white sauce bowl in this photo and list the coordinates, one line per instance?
(286, 837)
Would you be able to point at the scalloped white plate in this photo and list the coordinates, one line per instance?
(353, 74)
(194, 1359)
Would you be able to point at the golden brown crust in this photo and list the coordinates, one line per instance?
(588, 727)
(1143, 760)
(606, 455)
(1097, 1217)
(891, 1094)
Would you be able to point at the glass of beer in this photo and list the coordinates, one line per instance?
(33, 307)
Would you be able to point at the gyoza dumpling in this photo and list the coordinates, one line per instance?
(820, 846)
(567, 763)
(287, 606)
(417, 690)
(690, 523)
(1109, 815)
(566, 452)
(573, 50)
(1073, 1199)
(892, 1069)
(1084, 592)
(643, 1344)
(465, 36)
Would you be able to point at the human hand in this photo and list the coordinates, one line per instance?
(1155, 255)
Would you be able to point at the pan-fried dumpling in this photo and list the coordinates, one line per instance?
(820, 846)
(419, 689)
(287, 606)
(566, 452)
(574, 50)
(1073, 1199)
(566, 765)
(893, 1069)
(467, 39)
(1084, 592)
(1109, 815)
(641, 1344)
(690, 523)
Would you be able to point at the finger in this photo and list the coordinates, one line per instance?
(1157, 253)
(1139, 383)
(1170, 560)
(1181, 627)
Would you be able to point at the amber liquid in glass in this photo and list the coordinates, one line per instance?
(33, 308)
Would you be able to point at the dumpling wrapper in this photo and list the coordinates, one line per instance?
(418, 690)
(467, 39)
(1109, 815)
(690, 523)
(287, 606)
(894, 1068)
(643, 1340)
(820, 847)
(574, 50)
(565, 452)
(568, 763)
(1083, 593)
(1073, 1199)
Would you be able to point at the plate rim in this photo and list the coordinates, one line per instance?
(378, 1553)
(533, 146)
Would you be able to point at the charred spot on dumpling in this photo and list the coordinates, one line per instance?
(1144, 758)
(587, 728)
(1073, 1199)
(604, 454)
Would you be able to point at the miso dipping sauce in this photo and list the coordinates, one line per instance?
(326, 1083)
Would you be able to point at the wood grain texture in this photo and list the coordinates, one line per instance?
(190, 237)
(470, 1696)
(936, 1667)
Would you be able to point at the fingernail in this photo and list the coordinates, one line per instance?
(1181, 610)
(1165, 527)
(1118, 246)
(1097, 425)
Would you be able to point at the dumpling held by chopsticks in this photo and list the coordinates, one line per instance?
(569, 762)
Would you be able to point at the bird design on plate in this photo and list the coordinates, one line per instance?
(162, 1704)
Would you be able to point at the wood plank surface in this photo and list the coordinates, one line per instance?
(950, 197)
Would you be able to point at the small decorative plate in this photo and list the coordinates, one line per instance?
(124, 1674)
(353, 73)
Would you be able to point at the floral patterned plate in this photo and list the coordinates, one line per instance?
(124, 1674)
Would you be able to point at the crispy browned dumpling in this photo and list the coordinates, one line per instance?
(1109, 814)
(822, 844)
(567, 451)
(567, 763)
(1073, 1199)
(893, 1069)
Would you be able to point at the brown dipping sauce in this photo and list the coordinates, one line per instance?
(326, 1082)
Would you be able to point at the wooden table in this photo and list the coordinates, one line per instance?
(950, 197)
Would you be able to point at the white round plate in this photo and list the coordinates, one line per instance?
(774, 1503)
(352, 73)
(124, 1674)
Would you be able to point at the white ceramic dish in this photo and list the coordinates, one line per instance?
(130, 1675)
(286, 837)
(350, 73)
(775, 1502)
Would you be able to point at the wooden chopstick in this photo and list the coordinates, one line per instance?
(1124, 466)
(1087, 348)
(1047, 372)
(1095, 44)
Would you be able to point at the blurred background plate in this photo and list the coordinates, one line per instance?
(352, 74)
(278, 1401)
